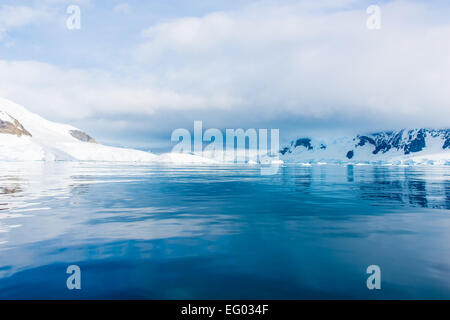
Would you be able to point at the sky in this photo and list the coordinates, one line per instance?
(137, 70)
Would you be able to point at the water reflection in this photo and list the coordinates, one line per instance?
(227, 226)
(410, 186)
(350, 173)
(447, 193)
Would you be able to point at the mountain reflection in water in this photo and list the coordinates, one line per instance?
(161, 231)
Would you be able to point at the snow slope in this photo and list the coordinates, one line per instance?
(50, 141)
(25, 136)
(53, 141)
(414, 146)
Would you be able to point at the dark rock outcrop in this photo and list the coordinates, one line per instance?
(284, 150)
(410, 142)
(405, 141)
(416, 144)
(306, 142)
(82, 136)
(10, 125)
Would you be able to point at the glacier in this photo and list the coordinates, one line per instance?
(26, 136)
(403, 147)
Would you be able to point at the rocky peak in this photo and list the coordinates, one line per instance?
(409, 141)
(10, 125)
(379, 146)
(82, 136)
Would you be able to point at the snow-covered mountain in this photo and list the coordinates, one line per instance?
(413, 146)
(25, 136)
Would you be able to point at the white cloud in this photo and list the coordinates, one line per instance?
(311, 62)
(66, 2)
(123, 8)
(314, 61)
(75, 94)
(19, 16)
(13, 17)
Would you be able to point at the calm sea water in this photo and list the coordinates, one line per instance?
(209, 232)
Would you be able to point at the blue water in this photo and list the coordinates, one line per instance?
(209, 232)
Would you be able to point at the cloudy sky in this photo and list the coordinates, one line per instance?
(136, 70)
